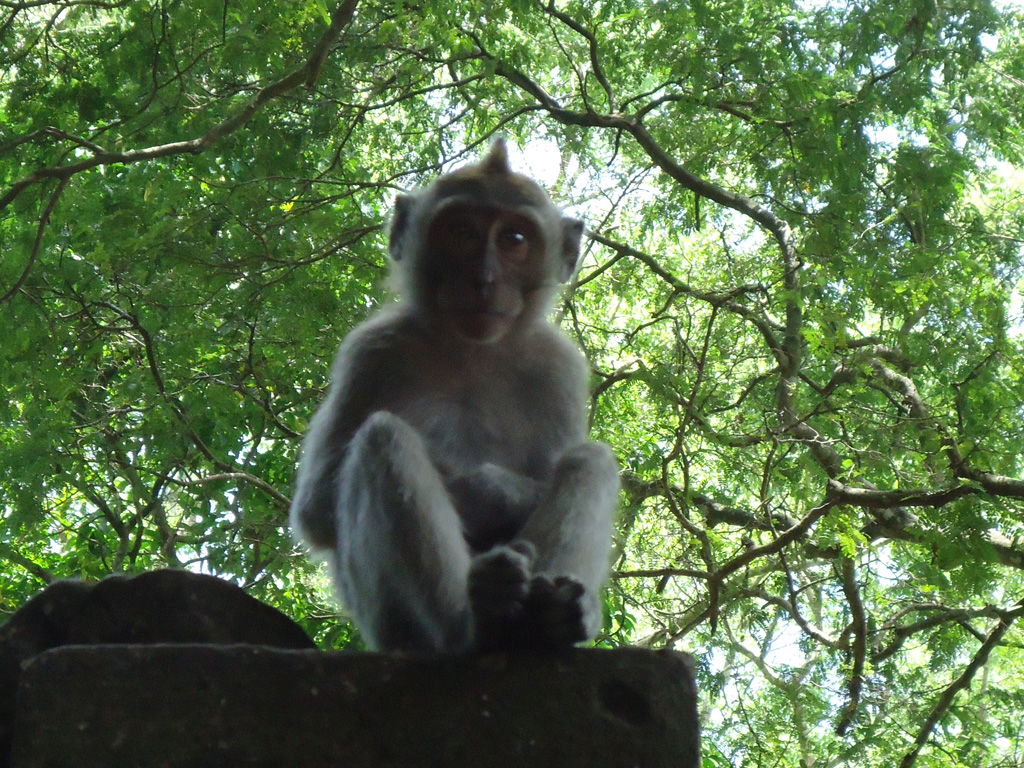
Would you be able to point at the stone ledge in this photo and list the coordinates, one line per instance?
(178, 706)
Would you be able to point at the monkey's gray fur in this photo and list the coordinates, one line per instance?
(448, 475)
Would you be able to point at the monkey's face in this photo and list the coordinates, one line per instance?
(483, 265)
(481, 250)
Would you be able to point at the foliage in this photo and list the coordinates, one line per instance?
(801, 297)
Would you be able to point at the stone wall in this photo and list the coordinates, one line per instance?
(176, 670)
(185, 706)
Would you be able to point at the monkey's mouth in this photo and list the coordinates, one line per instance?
(482, 324)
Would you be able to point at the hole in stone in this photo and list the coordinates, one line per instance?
(624, 702)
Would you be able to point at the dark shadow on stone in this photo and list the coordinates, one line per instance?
(157, 607)
(182, 706)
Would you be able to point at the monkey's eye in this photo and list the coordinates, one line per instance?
(463, 230)
(512, 237)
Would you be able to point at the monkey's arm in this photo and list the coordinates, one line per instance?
(323, 450)
(355, 378)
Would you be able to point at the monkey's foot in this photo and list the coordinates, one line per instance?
(499, 582)
(554, 612)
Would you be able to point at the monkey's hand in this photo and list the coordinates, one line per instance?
(553, 612)
(499, 582)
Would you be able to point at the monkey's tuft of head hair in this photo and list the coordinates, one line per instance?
(496, 160)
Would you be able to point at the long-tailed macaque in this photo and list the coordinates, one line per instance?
(448, 475)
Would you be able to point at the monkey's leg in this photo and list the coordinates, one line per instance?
(572, 532)
(402, 563)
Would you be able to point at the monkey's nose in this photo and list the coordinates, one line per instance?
(483, 281)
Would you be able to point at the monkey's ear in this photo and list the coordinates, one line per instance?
(496, 160)
(572, 234)
(400, 219)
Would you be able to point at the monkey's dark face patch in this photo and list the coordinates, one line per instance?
(470, 235)
(482, 262)
(481, 250)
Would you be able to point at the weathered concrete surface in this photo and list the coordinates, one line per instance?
(178, 706)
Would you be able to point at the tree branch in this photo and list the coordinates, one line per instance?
(595, 59)
(44, 220)
(943, 616)
(947, 696)
(890, 526)
(307, 74)
(997, 485)
(32, 567)
(725, 300)
(858, 625)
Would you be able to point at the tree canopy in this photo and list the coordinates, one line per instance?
(801, 298)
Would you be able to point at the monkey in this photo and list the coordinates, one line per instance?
(448, 476)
